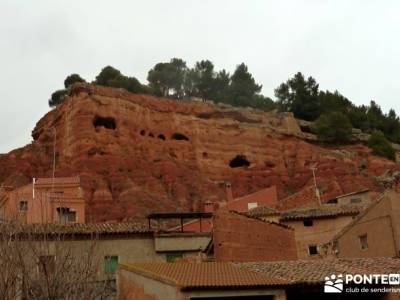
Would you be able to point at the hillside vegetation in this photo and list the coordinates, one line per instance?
(334, 114)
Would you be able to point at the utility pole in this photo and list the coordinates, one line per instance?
(317, 194)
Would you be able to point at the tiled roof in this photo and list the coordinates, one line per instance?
(79, 228)
(315, 271)
(58, 180)
(262, 211)
(302, 198)
(267, 196)
(193, 275)
(323, 211)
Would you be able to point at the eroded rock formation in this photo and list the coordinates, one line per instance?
(136, 154)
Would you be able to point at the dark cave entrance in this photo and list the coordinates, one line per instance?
(106, 122)
(239, 161)
(179, 137)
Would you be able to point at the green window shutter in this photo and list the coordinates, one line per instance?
(110, 264)
(171, 257)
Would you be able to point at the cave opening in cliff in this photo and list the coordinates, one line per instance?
(106, 122)
(179, 137)
(142, 132)
(161, 137)
(239, 161)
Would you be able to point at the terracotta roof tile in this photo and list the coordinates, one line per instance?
(202, 275)
(323, 211)
(314, 271)
(304, 197)
(58, 180)
(261, 211)
(79, 228)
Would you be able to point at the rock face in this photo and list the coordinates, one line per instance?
(137, 154)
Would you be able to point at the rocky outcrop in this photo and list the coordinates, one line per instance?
(137, 154)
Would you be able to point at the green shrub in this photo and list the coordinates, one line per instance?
(57, 97)
(333, 127)
(381, 146)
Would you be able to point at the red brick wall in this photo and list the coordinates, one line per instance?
(128, 290)
(238, 238)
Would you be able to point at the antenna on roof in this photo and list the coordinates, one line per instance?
(33, 187)
(317, 194)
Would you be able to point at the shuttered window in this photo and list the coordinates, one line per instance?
(110, 264)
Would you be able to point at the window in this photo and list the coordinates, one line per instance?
(66, 215)
(46, 264)
(110, 264)
(312, 250)
(23, 206)
(308, 223)
(251, 205)
(355, 200)
(335, 247)
(363, 241)
(171, 257)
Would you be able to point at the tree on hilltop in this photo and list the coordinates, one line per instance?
(300, 96)
(71, 79)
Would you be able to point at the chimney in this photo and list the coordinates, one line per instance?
(228, 192)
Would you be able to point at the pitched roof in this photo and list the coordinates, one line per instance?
(58, 180)
(307, 197)
(266, 196)
(190, 275)
(304, 197)
(315, 271)
(76, 228)
(262, 211)
(323, 211)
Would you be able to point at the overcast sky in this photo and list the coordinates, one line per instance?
(352, 46)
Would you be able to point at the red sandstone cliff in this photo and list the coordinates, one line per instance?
(136, 154)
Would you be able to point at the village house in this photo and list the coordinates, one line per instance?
(362, 197)
(212, 280)
(307, 278)
(309, 197)
(373, 233)
(281, 280)
(234, 237)
(88, 253)
(45, 200)
(315, 226)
